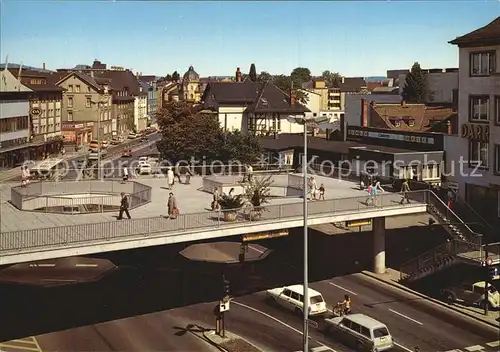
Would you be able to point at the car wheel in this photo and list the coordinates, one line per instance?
(448, 296)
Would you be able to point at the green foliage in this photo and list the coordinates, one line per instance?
(258, 190)
(168, 77)
(285, 84)
(330, 77)
(176, 76)
(227, 202)
(264, 77)
(252, 74)
(415, 85)
(299, 76)
(188, 133)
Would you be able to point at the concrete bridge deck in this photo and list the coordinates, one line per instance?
(44, 236)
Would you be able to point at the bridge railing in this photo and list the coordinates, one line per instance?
(37, 239)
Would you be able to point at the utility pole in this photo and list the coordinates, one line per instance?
(487, 262)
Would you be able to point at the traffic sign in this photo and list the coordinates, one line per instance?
(223, 306)
(35, 111)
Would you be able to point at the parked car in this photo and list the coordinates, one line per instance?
(472, 294)
(292, 298)
(361, 332)
(127, 153)
(115, 141)
(132, 135)
(144, 169)
(105, 144)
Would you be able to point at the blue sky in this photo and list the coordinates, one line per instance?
(359, 38)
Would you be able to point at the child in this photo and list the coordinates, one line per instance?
(322, 192)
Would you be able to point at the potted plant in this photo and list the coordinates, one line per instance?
(258, 192)
(230, 205)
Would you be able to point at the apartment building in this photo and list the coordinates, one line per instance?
(479, 120)
(15, 146)
(45, 107)
(441, 85)
(86, 109)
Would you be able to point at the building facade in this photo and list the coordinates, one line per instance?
(86, 101)
(189, 89)
(15, 145)
(441, 85)
(478, 146)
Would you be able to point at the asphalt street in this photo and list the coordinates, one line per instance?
(153, 296)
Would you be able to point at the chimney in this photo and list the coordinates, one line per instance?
(238, 75)
(364, 113)
(403, 103)
(43, 66)
(292, 97)
(92, 73)
(343, 79)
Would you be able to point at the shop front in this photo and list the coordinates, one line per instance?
(76, 135)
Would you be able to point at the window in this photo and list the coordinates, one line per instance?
(478, 154)
(380, 332)
(295, 296)
(431, 171)
(497, 110)
(88, 89)
(316, 299)
(479, 108)
(70, 116)
(70, 88)
(88, 103)
(365, 332)
(497, 159)
(287, 293)
(482, 63)
(70, 102)
(77, 88)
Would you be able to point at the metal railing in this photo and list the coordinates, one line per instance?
(105, 231)
(47, 194)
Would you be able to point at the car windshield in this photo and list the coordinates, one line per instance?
(380, 332)
(316, 299)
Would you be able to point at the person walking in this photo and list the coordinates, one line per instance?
(125, 174)
(321, 192)
(378, 186)
(405, 188)
(215, 201)
(450, 197)
(172, 209)
(23, 176)
(370, 200)
(170, 178)
(124, 205)
(249, 170)
(177, 173)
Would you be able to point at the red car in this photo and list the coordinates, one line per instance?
(127, 153)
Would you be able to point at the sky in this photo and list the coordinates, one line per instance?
(354, 38)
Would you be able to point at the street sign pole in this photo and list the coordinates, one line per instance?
(223, 328)
(487, 263)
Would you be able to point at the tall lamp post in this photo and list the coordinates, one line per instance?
(305, 120)
(102, 100)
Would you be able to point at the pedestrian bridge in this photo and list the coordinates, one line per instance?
(64, 241)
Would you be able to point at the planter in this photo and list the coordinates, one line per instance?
(254, 215)
(230, 216)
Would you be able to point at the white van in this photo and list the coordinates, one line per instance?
(292, 298)
(360, 331)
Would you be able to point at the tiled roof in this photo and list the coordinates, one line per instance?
(371, 85)
(412, 117)
(489, 34)
(147, 79)
(385, 90)
(121, 80)
(273, 99)
(232, 92)
(50, 79)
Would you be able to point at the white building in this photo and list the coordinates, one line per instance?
(353, 111)
(313, 100)
(141, 109)
(441, 85)
(479, 121)
(252, 107)
(14, 120)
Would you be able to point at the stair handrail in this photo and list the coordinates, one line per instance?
(450, 211)
(474, 211)
(416, 260)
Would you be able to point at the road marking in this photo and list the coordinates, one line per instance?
(474, 348)
(403, 347)
(256, 249)
(343, 288)
(405, 316)
(493, 344)
(59, 280)
(276, 320)
(17, 347)
(36, 265)
(83, 265)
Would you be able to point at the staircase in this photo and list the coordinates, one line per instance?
(463, 240)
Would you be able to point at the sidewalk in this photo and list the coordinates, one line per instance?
(392, 276)
(230, 343)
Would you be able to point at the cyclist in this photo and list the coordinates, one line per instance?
(346, 305)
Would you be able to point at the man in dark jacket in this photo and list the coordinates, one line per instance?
(124, 207)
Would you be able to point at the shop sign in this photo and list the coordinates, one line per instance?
(71, 126)
(475, 132)
(414, 138)
(89, 124)
(13, 142)
(356, 223)
(264, 235)
(35, 111)
(69, 136)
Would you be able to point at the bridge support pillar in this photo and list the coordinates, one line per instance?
(378, 229)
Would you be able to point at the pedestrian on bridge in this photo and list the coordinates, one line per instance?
(173, 211)
(124, 205)
(405, 188)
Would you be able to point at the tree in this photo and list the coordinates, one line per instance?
(285, 84)
(330, 77)
(264, 77)
(188, 133)
(299, 76)
(168, 77)
(175, 76)
(252, 74)
(415, 84)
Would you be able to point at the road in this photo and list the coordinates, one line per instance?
(138, 307)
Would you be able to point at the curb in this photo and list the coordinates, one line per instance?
(433, 300)
(205, 333)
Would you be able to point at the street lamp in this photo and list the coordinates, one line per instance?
(102, 100)
(305, 120)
